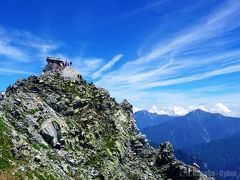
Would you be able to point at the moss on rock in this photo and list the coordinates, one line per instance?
(5, 147)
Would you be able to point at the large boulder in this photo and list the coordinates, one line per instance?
(51, 133)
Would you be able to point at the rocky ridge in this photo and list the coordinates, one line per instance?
(58, 126)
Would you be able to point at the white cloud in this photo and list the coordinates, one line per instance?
(135, 109)
(87, 66)
(173, 111)
(180, 110)
(156, 110)
(12, 52)
(29, 40)
(92, 63)
(227, 70)
(201, 107)
(162, 66)
(107, 66)
(171, 62)
(22, 46)
(221, 108)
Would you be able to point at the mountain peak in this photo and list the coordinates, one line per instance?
(202, 113)
(60, 67)
(63, 127)
(199, 111)
(55, 65)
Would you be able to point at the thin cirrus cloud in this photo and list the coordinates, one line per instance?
(12, 71)
(22, 46)
(163, 64)
(29, 40)
(85, 65)
(107, 66)
(227, 70)
(12, 52)
(195, 53)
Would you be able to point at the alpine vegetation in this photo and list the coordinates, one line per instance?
(58, 126)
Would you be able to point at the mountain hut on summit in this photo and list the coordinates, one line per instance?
(57, 62)
(55, 65)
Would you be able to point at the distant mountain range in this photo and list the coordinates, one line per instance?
(146, 119)
(195, 128)
(209, 139)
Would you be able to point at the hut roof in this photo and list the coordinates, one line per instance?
(54, 59)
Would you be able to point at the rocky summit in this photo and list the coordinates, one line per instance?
(58, 126)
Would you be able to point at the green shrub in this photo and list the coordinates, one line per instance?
(5, 153)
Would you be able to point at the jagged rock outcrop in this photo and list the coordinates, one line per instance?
(58, 126)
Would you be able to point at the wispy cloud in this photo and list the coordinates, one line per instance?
(194, 53)
(23, 50)
(227, 70)
(138, 11)
(85, 65)
(107, 66)
(29, 40)
(165, 61)
(12, 52)
(14, 71)
(22, 46)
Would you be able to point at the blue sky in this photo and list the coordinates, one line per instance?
(161, 55)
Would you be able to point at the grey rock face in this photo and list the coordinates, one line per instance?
(127, 106)
(61, 127)
(51, 133)
(166, 154)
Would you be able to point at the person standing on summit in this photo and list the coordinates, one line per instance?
(65, 63)
(2, 95)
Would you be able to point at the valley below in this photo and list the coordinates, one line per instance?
(210, 140)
